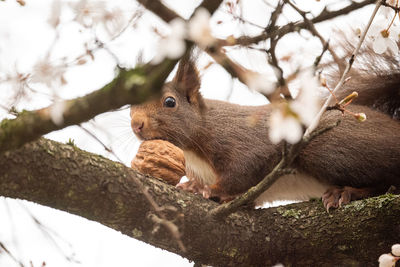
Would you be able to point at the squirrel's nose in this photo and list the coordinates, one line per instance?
(137, 126)
(139, 121)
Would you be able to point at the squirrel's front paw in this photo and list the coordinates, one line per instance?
(191, 186)
(206, 191)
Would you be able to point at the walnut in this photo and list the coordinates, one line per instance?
(161, 159)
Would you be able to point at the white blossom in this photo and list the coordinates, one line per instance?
(386, 260)
(114, 21)
(284, 128)
(307, 103)
(56, 112)
(259, 82)
(172, 46)
(199, 28)
(88, 13)
(384, 39)
(388, 12)
(396, 250)
(47, 73)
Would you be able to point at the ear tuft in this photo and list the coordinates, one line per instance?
(187, 80)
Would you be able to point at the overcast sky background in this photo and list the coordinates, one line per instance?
(25, 37)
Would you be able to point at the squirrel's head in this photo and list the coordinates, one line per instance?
(176, 115)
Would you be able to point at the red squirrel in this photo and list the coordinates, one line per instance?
(227, 150)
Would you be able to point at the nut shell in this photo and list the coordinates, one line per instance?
(160, 159)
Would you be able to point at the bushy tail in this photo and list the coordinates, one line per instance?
(375, 77)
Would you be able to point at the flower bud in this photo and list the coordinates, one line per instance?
(360, 116)
(348, 98)
(323, 81)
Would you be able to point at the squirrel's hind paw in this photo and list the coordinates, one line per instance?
(335, 196)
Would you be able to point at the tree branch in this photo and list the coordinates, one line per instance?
(295, 26)
(129, 87)
(66, 178)
(159, 9)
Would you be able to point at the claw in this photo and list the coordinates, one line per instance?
(336, 197)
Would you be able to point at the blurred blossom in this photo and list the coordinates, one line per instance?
(114, 21)
(259, 82)
(307, 103)
(172, 46)
(384, 39)
(56, 112)
(386, 260)
(48, 74)
(388, 12)
(199, 28)
(55, 14)
(88, 13)
(284, 127)
(91, 13)
(16, 81)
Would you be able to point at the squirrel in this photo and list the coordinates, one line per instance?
(227, 149)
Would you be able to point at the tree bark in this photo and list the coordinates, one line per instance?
(303, 234)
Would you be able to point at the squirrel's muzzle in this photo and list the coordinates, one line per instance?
(138, 122)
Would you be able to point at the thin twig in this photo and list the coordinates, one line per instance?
(282, 168)
(295, 26)
(342, 80)
(4, 248)
(108, 149)
(51, 234)
(160, 218)
(311, 28)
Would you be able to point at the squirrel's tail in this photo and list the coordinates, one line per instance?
(376, 79)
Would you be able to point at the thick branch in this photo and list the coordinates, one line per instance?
(129, 87)
(66, 178)
(166, 14)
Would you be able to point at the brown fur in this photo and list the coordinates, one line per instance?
(233, 139)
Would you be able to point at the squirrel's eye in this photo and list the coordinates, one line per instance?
(169, 102)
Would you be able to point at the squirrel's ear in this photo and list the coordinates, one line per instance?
(187, 82)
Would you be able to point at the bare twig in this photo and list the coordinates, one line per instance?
(295, 26)
(311, 28)
(283, 88)
(4, 248)
(107, 148)
(50, 234)
(342, 80)
(160, 218)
